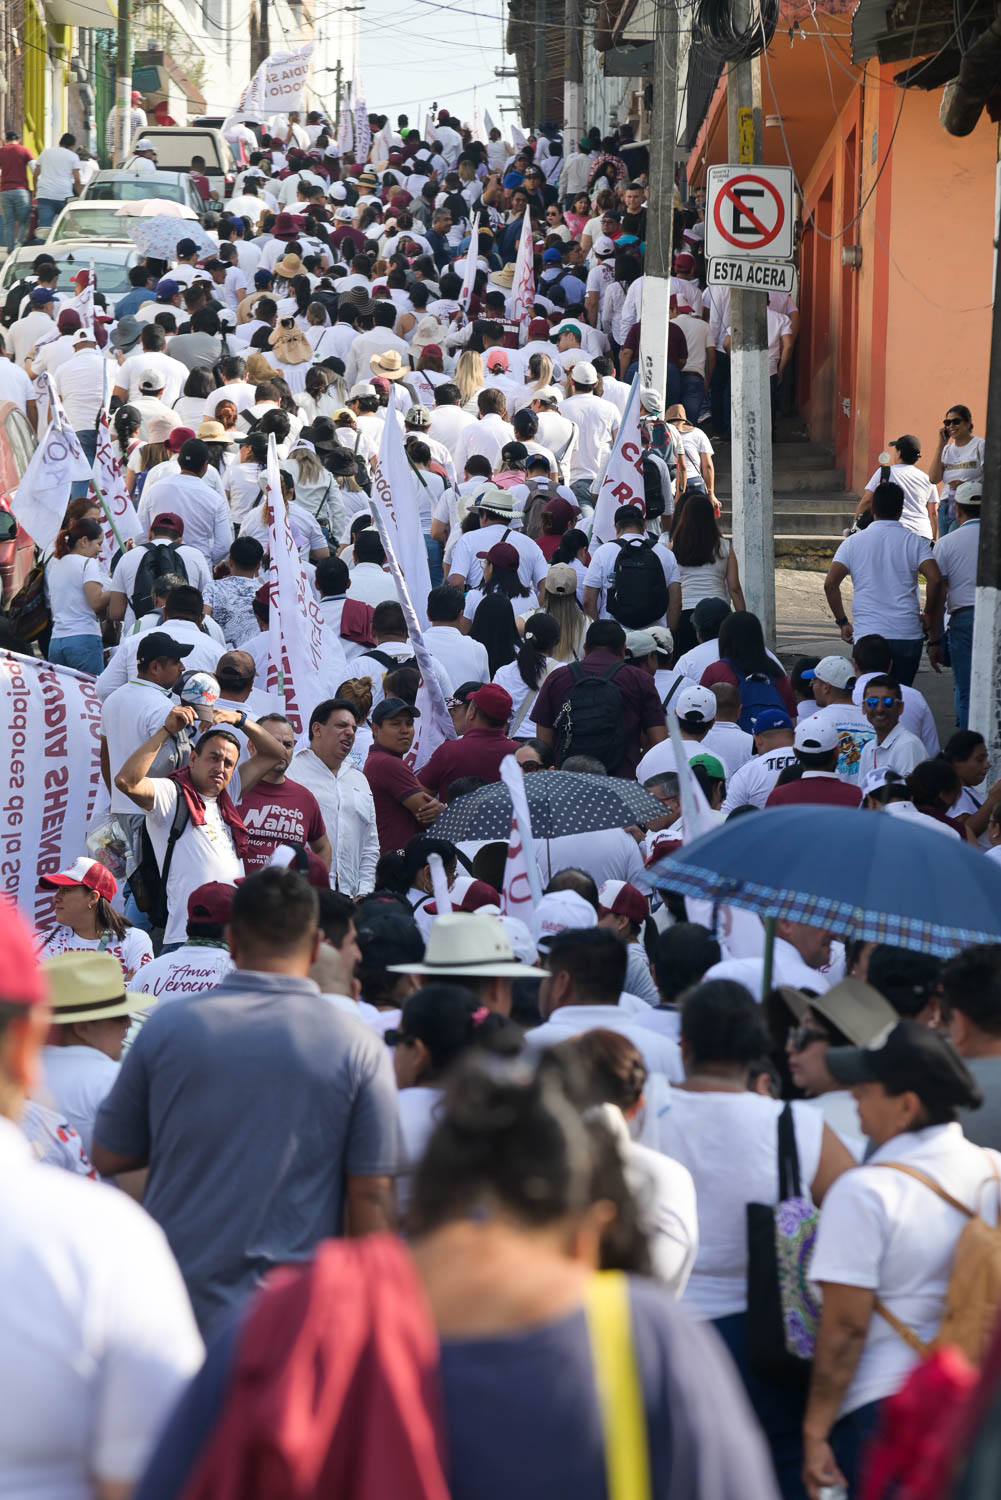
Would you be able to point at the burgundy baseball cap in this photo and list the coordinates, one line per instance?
(88, 872)
(561, 509)
(211, 902)
(493, 700)
(538, 328)
(501, 555)
(177, 439)
(623, 900)
(167, 520)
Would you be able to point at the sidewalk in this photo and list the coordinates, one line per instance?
(804, 627)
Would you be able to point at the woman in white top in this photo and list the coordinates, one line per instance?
(190, 405)
(86, 919)
(728, 1140)
(469, 379)
(78, 591)
(707, 562)
(500, 576)
(523, 677)
(887, 1238)
(538, 378)
(559, 596)
(308, 537)
(959, 457)
(439, 1023)
(920, 513)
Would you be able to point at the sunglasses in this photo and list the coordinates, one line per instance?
(531, 765)
(881, 702)
(801, 1037)
(951, 421)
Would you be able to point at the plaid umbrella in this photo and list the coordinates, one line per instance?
(160, 235)
(871, 876)
(560, 802)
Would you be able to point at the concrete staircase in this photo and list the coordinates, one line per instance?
(812, 508)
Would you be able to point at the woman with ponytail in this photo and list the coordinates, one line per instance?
(523, 677)
(77, 587)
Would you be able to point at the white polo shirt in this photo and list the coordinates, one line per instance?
(532, 567)
(97, 1337)
(901, 750)
(956, 555)
(917, 716)
(883, 562)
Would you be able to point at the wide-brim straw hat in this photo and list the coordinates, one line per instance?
(88, 986)
(469, 943)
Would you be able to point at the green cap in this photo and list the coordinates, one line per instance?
(712, 765)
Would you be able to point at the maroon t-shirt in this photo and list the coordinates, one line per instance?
(14, 159)
(478, 753)
(392, 781)
(823, 791)
(278, 813)
(354, 237)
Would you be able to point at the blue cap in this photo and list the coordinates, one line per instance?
(263, 278)
(168, 287)
(41, 294)
(771, 718)
(513, 180)
(552, 258)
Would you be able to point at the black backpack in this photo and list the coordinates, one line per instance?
(158, 559)
(653, 488)
(390, 662)
(637, 589)
(591, 721)
(148, 882)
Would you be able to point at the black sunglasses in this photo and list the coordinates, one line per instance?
(801, 1037)
(951, 421)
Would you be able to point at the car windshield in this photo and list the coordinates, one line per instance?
(174, 152)
(112, 275)
(132, 191)
(90, 224)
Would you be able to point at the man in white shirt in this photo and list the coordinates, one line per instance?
(151, 356)
(833, 679)
(167, 529)
(79, 384)
(378, 340)
(801, 954)
(57, 179)
(392, 650)
(752, 782)
(464, 659)
(956, 555)
(206, 518)
(124, 1345)
(33, 325)
(495, 508)
(143, 158)
(139, 707)
(183, 613)
(203, 959)
(369, 581)
(586, 974)
(630, 531)
(343, 793)
(871, 655)
(489, 434)
(892, 745)
(597, 423)
(884, 562)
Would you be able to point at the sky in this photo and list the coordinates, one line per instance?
(416, 52)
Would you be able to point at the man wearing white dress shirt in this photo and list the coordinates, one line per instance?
(344, 795)
(464, 659)
(597, 423)
(489, 434)
(448, 420)
(206, 518)
(369, 581)
(956, 555)
(183, 613)
(86, 1392)
(871, 655)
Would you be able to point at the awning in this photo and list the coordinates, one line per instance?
(82, 13)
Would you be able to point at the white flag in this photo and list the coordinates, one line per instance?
(523, 287)
(394, 497)
(345, 131)
(519, 137)
(278, 85)
(296, 641)
(488, 122)
(439, 885)
(522, 886)
(250, 104)
(83, 302)
(363, 130)
(472, 257)
(44, 491)
(121, 524)
(622, 481)
(478, 130)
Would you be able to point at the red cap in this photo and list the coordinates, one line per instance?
(88, 872)
(22, 981)
(211, 902)
(493, 700)
(501, 555)
(623, 900)
(434, 350)
(177, 439)
(561, 509)
(136, 96)
(478, 894)
(168, 521)
(82, 277)
(538, 328)
(684, 263)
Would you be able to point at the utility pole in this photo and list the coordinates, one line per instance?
(123, 83)
(660, 200)
(573, 75)
(750, 390)
(337, 113)
(540, 62)
(985, 674)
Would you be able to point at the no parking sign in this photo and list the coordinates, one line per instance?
(749, 212)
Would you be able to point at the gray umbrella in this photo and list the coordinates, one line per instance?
(560, 803)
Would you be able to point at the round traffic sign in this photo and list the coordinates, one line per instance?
(755, 210)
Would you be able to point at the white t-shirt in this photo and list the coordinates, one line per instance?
(64, 581)
(522, 604)
(729, 1143)
(694, 443)
(133, 951)
(919, 493)
(187, 971)
(305, 532)
(130, 716)
(706, 581)
(604, 854)
(417, 1108)
(854, 732)
(55, 168)
(123, 579)
(730, 744)
(532, 567)
(79, 1078)
(604, 561)
(597, 422)
(890, 1234)
(131, 370)
(202, 853)
(464, 659)
(962, 463)
(956, 554)
(751, 784)
(660, 1053)
(883, 562)
(697, 334)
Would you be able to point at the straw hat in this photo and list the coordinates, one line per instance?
(88, 986)
(290, 344)
(259, 369)
(429, 331)
(504, 278)
(388, 365)
(213, 432)
(289, 266)
(469, 943)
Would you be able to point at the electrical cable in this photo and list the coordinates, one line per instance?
(713, 27)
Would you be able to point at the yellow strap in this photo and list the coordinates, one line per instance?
(620, 1393)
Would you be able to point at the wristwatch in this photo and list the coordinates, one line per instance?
(242, 720)
(838, 623)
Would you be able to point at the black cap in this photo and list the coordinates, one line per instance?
(387, 935)
(910, 1057)
(390, 707)
(159, 644)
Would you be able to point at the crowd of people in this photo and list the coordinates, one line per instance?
(441, 1190)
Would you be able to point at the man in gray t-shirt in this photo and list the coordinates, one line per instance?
(266, 1117)
(971, 1003)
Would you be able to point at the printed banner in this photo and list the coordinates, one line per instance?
(278, 84)
(345, 132)
(295, 628)
(472, 257)
(363, 130)
(622, 481)
(522, 886)
(50, 745)
(523, 287)
(121, 524)
(44, 492)
(478, 129)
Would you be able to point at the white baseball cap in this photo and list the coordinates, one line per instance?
(651, 400)
(559, 911)
(816, 735)
(695, 706)
(583, 372)
(969, 493)
(604, 246)
(836, 671)
(344, 215)
(363, 388)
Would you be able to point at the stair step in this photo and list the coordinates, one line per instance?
(785, 456)
(796, 482)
